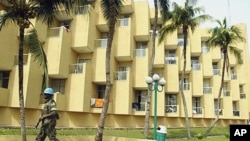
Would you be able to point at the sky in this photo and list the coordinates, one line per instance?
(239, 11)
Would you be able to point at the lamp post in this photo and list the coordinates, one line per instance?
(153, 83)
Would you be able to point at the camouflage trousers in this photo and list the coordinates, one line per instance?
(47, 129)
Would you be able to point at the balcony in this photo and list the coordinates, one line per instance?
(207, 90)
(127, 7)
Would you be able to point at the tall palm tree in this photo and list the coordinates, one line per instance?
(224, 37)
(164, 5)
(20, 12)
(111, 11)
(184, 18)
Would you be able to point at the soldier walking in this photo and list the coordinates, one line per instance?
(48, 117)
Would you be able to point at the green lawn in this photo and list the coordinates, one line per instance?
(217, 134)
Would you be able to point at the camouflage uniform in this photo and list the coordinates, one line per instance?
(48, 124)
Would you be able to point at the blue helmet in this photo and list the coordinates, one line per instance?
(49, 91)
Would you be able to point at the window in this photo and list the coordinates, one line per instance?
(236, 112)
(4, 79)
(140, 50)
(197, 109)
(123, 21)
(186, 85)
(58, 85)
(171, 103)
(195, 63)
(233, 73)
(242, 94)
(207, 89)
(226, 91)
(121, 74)
(217, 107)
(101, 91)
(216, 70)
(170, 57)
(204, 47)
(140, 104)
(180, 40)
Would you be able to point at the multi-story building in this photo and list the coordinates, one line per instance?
(76, 45)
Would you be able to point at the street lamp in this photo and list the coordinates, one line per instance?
(153, 83)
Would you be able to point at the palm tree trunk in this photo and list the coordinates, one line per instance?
(219, 96)
(182, 83)
(147, 115)
(101, 124)
(20, 71)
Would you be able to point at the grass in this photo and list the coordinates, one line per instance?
(177, 134)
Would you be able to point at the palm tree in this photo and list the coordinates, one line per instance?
(224, 37)
(20, 12)
(164, 11)
(184, 18)
(111, 11)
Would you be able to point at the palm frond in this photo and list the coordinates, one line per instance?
(106, 6)
(35, 48)
(164, 9)
(237, 54)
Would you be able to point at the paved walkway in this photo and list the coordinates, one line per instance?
(69, 138)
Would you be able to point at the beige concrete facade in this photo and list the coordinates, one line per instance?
(75, 48)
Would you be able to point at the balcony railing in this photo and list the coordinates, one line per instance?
(216, 71)
(101, 43)
(76, 68)
(218, 110)
(136, 106)
(242, 96)
(226, 92)
(204, 49)
(25, 59)
(171, 108)
(96, 102)
(207, 90)
(197, 110)
(140, 52)
(121, 75)
(196, 66)
(233, 76)
(186, 86)
(236, 113)
(123, 22)
(170, 60)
